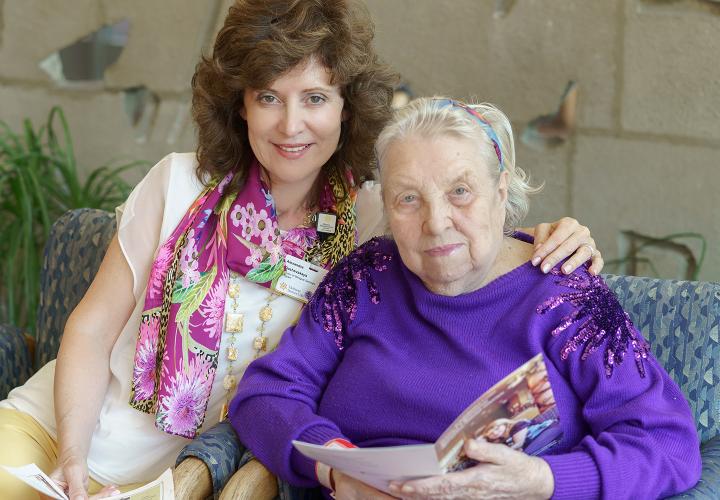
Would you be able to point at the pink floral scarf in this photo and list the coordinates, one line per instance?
(176, 354)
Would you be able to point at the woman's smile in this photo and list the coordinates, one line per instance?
(443, 250)
(292, 151)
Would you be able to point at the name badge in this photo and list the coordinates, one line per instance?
(326, 223)
(300, 279)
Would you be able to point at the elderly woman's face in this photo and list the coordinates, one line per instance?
(445, 212)
(294, 125)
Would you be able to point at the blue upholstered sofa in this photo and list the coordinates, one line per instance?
(680, 319)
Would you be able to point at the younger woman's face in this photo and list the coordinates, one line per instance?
(294, 124)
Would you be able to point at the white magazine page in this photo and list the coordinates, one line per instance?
(160, 489)
(377, 466)
(32, 475)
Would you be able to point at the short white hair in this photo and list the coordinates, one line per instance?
(427, 117)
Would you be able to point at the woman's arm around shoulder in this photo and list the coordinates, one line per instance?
(564, 238)
(554, 241)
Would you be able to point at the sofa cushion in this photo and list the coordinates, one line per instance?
(681, 320)
(73, 252)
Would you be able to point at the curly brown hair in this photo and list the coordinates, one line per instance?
(263, 39)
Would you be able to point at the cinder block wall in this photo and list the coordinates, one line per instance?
(165, 41)
(645, 155)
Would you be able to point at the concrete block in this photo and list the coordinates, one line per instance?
(672, 71)
(651, 187)
(164, 43)
(173, 126)
(99, 127)
(34, 29)
(551, 168)
(222, 14)
(520, 62)
(223, 6)
(2, 20)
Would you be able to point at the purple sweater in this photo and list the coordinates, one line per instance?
(379, 360)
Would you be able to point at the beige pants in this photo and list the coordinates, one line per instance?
(23, 441)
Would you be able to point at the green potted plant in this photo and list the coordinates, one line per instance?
(39, 181)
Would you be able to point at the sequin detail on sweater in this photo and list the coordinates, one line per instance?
(602, 321)
(336, 297)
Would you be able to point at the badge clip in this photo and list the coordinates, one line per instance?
(325, 224)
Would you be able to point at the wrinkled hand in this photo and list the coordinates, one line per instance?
(501, 473)
(557, 240)
(72, 477)
(348, 488)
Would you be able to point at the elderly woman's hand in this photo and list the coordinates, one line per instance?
(348, 488)
(501, 473)
(556, 240)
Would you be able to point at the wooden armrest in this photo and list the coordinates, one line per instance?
(252, 482)
(192, 479)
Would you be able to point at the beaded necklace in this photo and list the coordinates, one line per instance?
(234, 324)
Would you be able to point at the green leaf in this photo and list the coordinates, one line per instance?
(11, 269)
(184, 327)
(39, 181)
(193, 296)
(180, 292)
(266, 271)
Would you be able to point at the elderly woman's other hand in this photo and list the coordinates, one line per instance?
(501, 473)
(557, 240)
(348, 488)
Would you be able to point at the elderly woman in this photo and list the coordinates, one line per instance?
(407, 332)
(288, 107)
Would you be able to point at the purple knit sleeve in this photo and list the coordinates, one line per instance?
(641, 440)
(278, 397)
(277, 401)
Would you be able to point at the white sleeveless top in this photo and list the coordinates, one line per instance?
(126, 447)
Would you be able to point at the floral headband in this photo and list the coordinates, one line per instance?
(484, 124)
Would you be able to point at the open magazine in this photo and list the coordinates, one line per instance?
(519, 411)
(160, 489)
